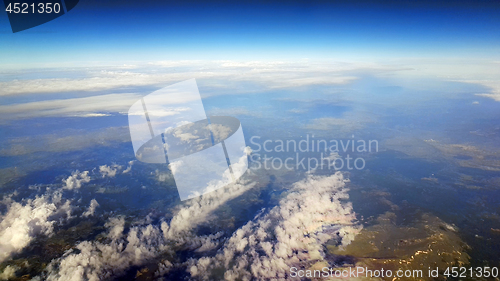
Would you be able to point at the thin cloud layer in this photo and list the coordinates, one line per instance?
(269, 74)
(217, 77)
(349, 122)
(93, 106)
(65, 140)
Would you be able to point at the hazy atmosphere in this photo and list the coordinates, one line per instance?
(370, 139)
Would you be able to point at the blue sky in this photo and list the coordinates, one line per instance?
(129, 31)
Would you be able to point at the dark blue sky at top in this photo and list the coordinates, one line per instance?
(170, 30)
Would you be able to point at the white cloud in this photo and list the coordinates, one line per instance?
(185, 137)
(97, 261)
(493, 85)
(8, 272)
(479, 72)
(232, 111)
(129, 168)
(227, 177)
(89, 106)
(222, 77)
(270, 74)
(197, 210)
(349, 122)
(218, 77)
(115, 227)
(163, 268)
(92, 207)
(23, 221)
(494, 95)
(76, 179)
(98, 81)
(162, 176)
(174, 166)
(220, 132)
(92, 115)
(109, 171)
(291, 234)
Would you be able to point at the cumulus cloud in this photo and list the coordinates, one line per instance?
(227, 177)
(109, 171)
(101, 260)
(25, 220)
(208, 170)
(163, 268)
(115, 227)
(129, 168)
(163, 176)
(197, 210)
(189, 134)
(76, 180)
(97, 261)
(220, 132)
(92, 207)
(8, 272)
(291, 234)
